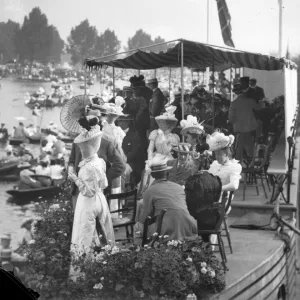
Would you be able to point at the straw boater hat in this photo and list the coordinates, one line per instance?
(167, 120)
(218, 141)
(88, 140)
(183, 148)
(191, 125)
(26, 221)
(152, 80)
(159, 164)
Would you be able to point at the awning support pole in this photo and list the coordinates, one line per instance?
(113, 81)
(100, 81)
(182, 85)
(170, 72)
(213, 95)
(139, 72)
(230, 82)
(85, 74)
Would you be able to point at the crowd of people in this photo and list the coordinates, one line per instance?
(178, 165)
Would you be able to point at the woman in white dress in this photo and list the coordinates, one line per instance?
(91, 182)
(227, 169)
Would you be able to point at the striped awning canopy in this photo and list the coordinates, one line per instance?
(195, 55)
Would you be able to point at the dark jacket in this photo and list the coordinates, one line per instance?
(115, 164)
(157, 103)
(258, 93)
(135, 156)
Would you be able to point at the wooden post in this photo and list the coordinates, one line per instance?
(230, 83)
(85, 81)
(100, 82)
(113, 81)
(182, 84)
(213, 96)
(170, 72)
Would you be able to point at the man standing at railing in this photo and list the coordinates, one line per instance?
(244, 122)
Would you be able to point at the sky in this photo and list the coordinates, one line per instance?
(254, 23)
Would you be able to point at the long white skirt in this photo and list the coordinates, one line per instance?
(84, 234)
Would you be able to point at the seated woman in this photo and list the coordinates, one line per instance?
(57, 167)
(164, 194)
(43, 169)
(193, 132)
(10, 156)
(227, 169)
(27, 182)
(182, 166)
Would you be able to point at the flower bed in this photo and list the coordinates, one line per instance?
(169, 270)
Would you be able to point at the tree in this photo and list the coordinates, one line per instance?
(107, 43)
(38, 41)
(8, 32)
(140, 39)
(82, 41)
(159, 48)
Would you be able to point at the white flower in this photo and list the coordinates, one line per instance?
(65, 234)
(166, 236)
(99, 257)
(189, 259)
(102, 278)
(155, 234)
(203, 265)
(59, 231)
(160, 237)
(212, 274)
(173, 243)
(114, 250)
(54, 206)
(64, 209)
(203, 270)
(98, 286)
(105, 262)
(107, 248)
(31, 242)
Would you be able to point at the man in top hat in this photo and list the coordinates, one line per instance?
(259, 93)
(157, 103)
(133, 150)
(130, 105)
(108, 151)
(244, 123)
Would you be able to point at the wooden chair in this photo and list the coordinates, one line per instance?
(128, 211)
(225, 225)
(257, 169)
(158, 219)
(219, 211)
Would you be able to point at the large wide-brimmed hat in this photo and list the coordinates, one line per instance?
(159, 164)
(113, 109)
(183, 148)
(137, 81)
(191, 125)
(245, 79)
(26, 221)
(88, 140)
(167, 120)
(219, 140)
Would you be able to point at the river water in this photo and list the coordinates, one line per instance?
(12, 93)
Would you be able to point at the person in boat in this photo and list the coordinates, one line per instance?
(30, 130)
(43, 169)
(57, 169)
(58, 150)
(91, 182)
(108, 151)
(23, 152)
(27, 182)
(3, 132)
(9, 155)
(36, 113)
(27, 236)
(20, 132)
(132, 149)
(164, 194)
(52, 127)
(157, 103)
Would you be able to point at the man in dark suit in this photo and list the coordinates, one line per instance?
(259, 93)
(157, 103)
(132, 149)
(115, 164)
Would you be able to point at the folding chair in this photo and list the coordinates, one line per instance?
(225, 225)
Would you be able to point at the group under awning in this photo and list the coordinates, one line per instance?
(196, 56)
